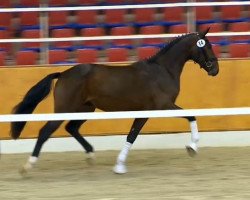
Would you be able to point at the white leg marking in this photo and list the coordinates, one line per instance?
(120, 167)
(194, 132)
(90, 158)
(28, 165)
(192, 147)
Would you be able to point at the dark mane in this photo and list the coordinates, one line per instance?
(166, 47)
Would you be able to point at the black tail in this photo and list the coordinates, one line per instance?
(33, 97)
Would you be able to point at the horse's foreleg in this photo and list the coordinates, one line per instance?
(44, 135)
(120, 167)
(192, 148)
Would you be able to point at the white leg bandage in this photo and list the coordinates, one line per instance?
(120, 167)
(194, 135)
(28, 165)
(32, 160)
(124, 153)
(194, 132)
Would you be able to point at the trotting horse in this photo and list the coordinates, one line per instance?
(150, 84)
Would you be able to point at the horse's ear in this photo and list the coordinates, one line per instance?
(203, 33)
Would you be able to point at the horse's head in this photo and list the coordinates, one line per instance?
(202, 53)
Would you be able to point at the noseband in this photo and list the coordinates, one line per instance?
(201, 43)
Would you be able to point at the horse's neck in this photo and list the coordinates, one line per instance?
(175, 59)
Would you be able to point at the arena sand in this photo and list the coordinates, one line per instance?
(216, 173)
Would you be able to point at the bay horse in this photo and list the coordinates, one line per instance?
(149, 84)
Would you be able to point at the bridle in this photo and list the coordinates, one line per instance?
(201, 43)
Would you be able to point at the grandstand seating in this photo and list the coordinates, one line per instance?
(66, 45)
(86, 19)
(2, 58)
(86, 55)
(172, 16)
(115, 2)
(57, 2)
(5, 20)
(114, 18)
(152, 30)
(117, 54)
(238, 50)
(172, 1)
(231, 13)
(143, 1)
(26, 58)
(31, 33)
(179, 28)
(97, 44)
(29, 3)
(5, 4)
(204, 15)
(146, 52)
(217, 50)
(120, 22)
(214, 27)
(144, 16)
(29, 20)
(57, 56)
(239, 27)
(88, 2)
(124, 30)
(58, 19)
(4, 34)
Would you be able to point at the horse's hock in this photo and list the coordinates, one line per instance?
(228, 89)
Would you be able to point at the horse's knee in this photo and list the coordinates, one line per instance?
(69, 128)
(191, 118)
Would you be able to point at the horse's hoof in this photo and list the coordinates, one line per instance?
(90, 158)
(24, 169)
(191, 151)
(120, 169)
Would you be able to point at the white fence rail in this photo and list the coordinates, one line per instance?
(141, 36)
(192, 4)
(126, 114)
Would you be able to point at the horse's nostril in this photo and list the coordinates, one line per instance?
(214, 71)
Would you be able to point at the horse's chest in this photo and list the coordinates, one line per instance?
(165, 89)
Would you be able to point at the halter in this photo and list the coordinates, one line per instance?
(201, 43)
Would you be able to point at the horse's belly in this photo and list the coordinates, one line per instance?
(121, 104)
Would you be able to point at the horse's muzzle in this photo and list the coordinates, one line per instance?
(214, 71)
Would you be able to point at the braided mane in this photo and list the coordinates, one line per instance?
(167, 46)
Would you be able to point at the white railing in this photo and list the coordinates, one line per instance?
(139, 36)
(191, 4)
(126, 114)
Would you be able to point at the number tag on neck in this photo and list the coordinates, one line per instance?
(201, 43)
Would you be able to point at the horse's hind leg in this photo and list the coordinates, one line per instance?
(44, 134)
(73, 128)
